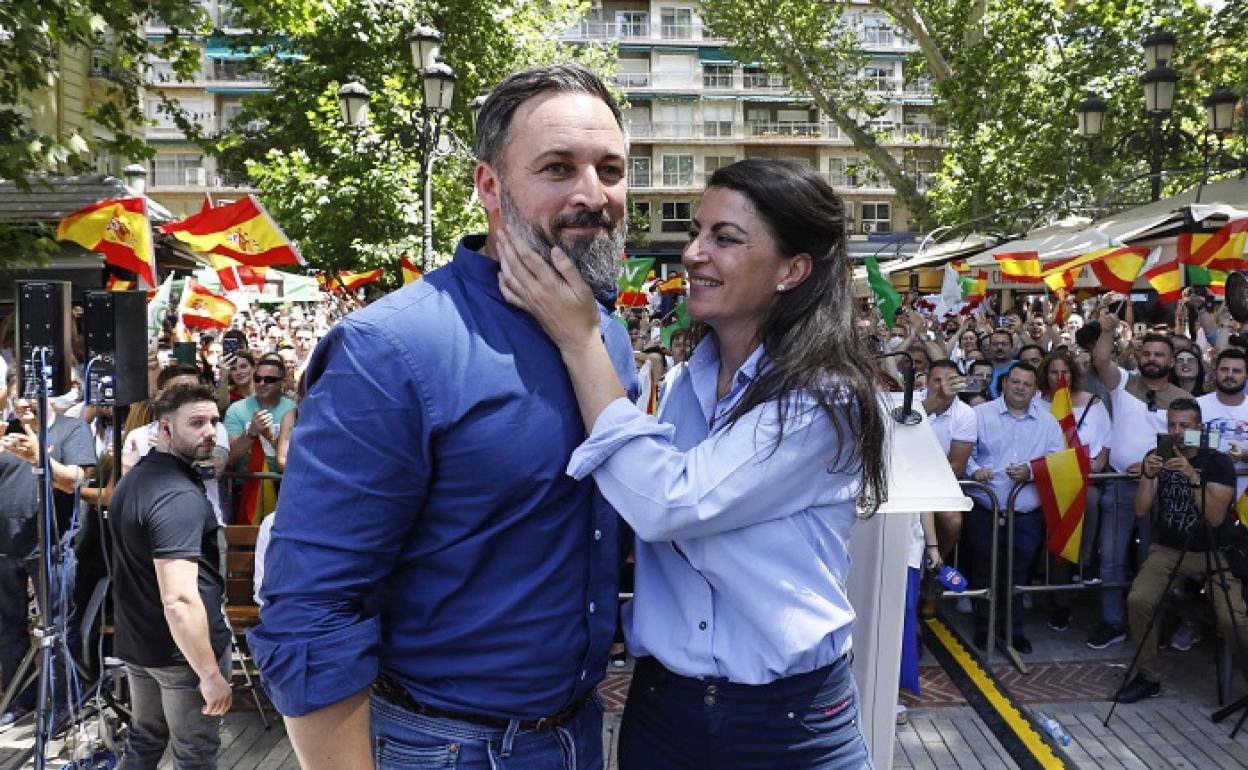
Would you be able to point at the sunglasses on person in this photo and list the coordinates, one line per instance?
(266, 380)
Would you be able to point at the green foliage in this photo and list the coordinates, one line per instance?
(1008, 77)
(352, 199)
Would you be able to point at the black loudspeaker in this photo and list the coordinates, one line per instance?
(115, 327)
(43, 324)
(1237, 296)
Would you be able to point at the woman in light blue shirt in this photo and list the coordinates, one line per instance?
(742, 492)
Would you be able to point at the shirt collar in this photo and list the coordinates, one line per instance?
(475, 267)
(171, 460)
(1029, 414)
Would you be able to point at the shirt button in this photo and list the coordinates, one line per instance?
(702, 626)
(711, 689)
(597, 534)
(592, 607)
(584, 674)
(709, 700)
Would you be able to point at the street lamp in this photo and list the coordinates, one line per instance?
(135, 175)
(423, 132)
(1161, 141)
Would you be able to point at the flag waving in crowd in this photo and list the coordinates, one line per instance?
(242, 231)
(203, 308)
(118, 229)
(411, 272)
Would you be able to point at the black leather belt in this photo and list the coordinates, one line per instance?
(392, 692)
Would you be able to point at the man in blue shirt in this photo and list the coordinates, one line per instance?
(428, 543)
(1011, 431)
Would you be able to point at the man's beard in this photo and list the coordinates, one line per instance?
(1235, 390)
(597, 257)
(1156, 371)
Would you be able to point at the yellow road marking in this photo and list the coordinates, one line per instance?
(1022, 727)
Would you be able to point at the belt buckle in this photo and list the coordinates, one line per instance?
(544, 723)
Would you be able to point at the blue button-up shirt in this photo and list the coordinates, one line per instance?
(426, 526)
(1003, 440)
(743, 546)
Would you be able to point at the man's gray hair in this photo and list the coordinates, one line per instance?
(494, 120)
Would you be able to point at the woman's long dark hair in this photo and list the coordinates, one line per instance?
(809, 333)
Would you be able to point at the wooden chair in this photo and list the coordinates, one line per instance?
(241, 610)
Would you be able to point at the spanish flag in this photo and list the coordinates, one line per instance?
(976, 287)
(241, 230)
(673, 284)
(118, 284)
(1118, 267)
(411, 273)
(1223, 250)
(960, 266)
(1062, 281)
(352, 281)
(1062, 482)
(201, 307)
(119, 230)
(1064, 410)
(1167, 279)
(234, 275)
(1020, 266)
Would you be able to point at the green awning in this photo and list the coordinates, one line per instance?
(238, 89)
(715, 56)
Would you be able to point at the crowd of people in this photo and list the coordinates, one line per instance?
(431, 439)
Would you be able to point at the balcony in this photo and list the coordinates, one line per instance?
(639, 31)
(886, 39)
(717, 130)
(784, 128)
(912, 133)
(633, 79)
(858, 183)
(765, 81)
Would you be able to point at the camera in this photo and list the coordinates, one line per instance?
(207, 472)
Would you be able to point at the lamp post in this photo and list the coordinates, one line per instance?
(424, 130)
(1164, 138)
(135, 175)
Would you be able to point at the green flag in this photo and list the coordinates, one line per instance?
(634, 273)
(681, 314)
(885, 295)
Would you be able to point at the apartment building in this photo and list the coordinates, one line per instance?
(693, 108)
(180, 175)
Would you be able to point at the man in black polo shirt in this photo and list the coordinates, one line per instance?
(1194, 489)
(170, 625)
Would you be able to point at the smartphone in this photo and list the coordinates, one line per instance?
(185, 353)
(229, 346)
(13, 425)
(1003, 321)
(1139, 329)
(972, 385)
(1165, 445)
(1192, 438)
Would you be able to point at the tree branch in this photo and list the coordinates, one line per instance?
(905, 14)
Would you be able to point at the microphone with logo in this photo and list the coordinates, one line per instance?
(905, 414)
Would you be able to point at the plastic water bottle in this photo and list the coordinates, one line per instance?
(1053, 729)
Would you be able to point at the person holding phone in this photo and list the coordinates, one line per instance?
(253, 425)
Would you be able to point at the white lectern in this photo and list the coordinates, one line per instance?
(919, 480)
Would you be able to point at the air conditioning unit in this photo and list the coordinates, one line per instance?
(868, 227)
(196, 177)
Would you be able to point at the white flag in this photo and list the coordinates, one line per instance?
(157, 308)
(950, 291)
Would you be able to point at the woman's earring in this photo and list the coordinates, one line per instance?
(779, 287)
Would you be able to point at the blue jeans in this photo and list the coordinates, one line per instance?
(402, 739)
(1118, 525)
(803, 722)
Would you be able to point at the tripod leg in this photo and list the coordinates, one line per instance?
(21, 679)
(1219, 569)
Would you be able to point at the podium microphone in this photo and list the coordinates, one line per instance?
(905, 414)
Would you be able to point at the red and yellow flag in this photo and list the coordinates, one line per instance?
(203, 308)
(1062, 482)
(1063, 409)
(1167, 279)
(1241, 508)
(411, 271)
(673, 284)
(241, 230)
(1020, 266)
(352, 281)
(1062, 281)
(118, 284)
(960, 266)
(1118, 267)
(234, 275)
(119, 230)
(1223, 250)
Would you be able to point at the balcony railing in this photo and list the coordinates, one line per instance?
(611, 30)
(721, 80)
(633, 79)
(784, 128)
(765, 81)
(722, 129)
(848, 181)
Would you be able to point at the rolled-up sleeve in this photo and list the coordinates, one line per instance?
(355, 483)
(734, 478)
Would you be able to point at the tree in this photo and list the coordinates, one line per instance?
(351, 199)
(34, 35)
(1007, 77)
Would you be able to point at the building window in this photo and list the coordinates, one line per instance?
(878, 34)
(717, 119)
(179, 169)
(677, 23)
(639, 221)
(712, 163)
(717, 76)
(632, 24)
(638, 172)
(879, 78)
(877, 217)
(677, 170)
(839, 172)
(677, 216)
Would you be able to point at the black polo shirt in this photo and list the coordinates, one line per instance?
(159, 511)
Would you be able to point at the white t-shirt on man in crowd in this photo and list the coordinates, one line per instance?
(140, 441)
(1232, 423)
